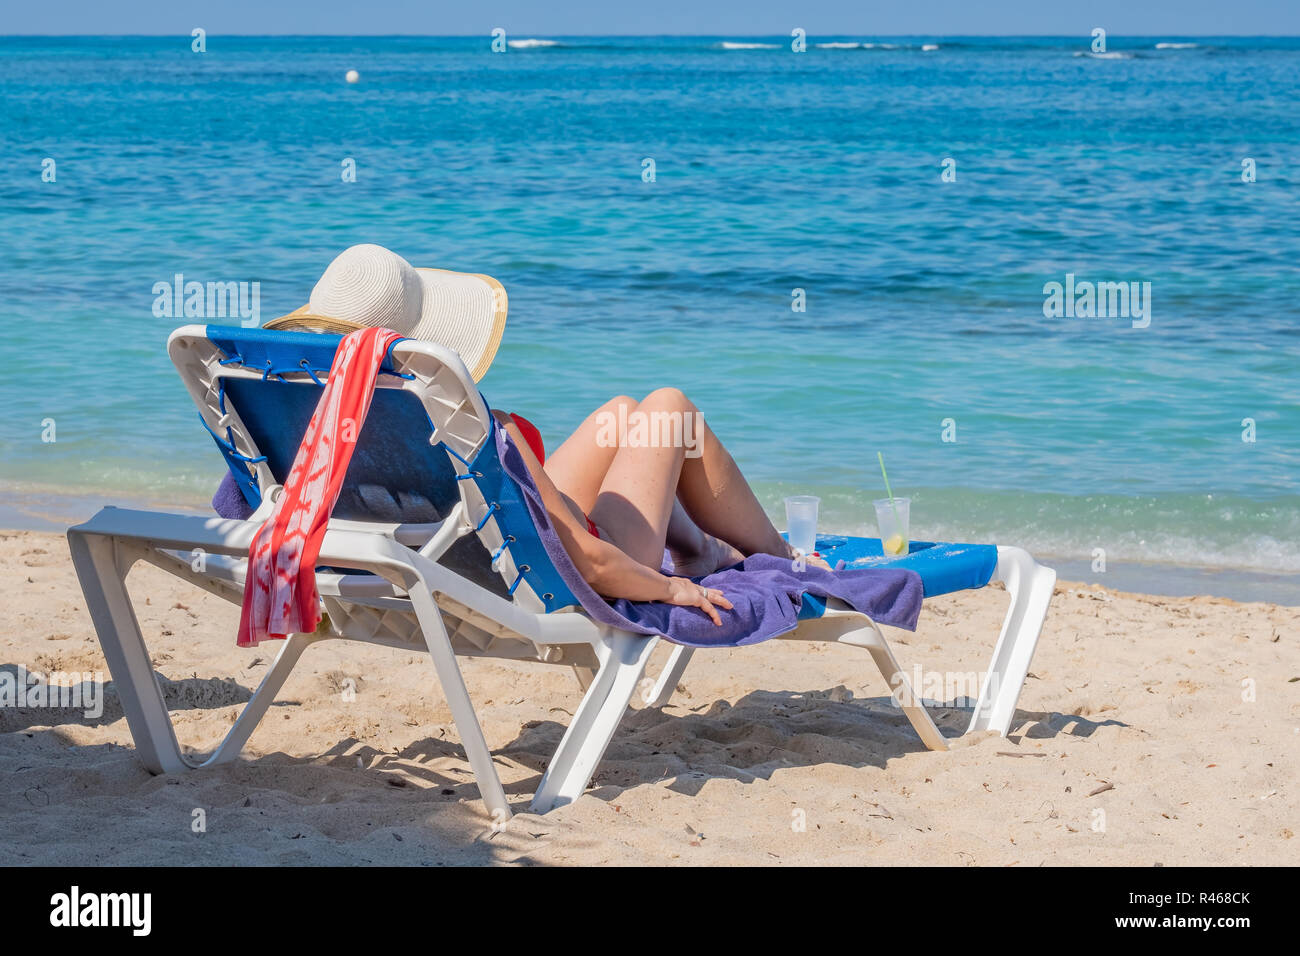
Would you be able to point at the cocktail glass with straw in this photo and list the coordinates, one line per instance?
(892, 517)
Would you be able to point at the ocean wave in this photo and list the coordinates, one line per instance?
(929, 47)
(531, 43)
(1177, 46)
(1112, 55)
(880, 46)
(732, 45)
(838, 46)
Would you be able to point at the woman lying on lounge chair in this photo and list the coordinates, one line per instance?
(616, 503)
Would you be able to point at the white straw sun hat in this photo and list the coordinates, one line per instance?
(368, 285)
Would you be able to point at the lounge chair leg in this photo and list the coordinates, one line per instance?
(593, 725)
(102, 564)
(462, 709)
(870, 638)
(262, 699)
(670, 676)
(1029, 587)
(584, 676)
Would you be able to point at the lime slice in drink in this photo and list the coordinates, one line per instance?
(894, 544)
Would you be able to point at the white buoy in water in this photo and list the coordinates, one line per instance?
(352, 76)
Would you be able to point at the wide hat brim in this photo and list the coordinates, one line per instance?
(464, 311)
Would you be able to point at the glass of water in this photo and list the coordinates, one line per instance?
(801, 520)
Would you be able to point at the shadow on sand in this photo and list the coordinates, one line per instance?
(682, 745)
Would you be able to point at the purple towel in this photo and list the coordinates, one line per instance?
(766, 591)
(229, 501)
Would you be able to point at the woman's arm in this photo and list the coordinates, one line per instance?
(609, 571)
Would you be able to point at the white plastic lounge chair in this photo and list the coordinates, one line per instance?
(461, 571)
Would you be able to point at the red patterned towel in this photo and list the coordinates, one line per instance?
(280, 596)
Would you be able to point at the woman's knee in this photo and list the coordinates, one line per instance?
(609, 411)
(616, 401)
(668, 399)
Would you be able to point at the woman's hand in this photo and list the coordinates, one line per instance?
(686, 593)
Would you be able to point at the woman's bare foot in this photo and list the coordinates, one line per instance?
(811, 560)
(712, 556)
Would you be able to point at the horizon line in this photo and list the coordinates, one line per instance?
(652, 36)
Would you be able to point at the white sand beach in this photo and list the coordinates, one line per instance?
(1152, 730)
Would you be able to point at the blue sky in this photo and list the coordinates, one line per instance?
(597, 17)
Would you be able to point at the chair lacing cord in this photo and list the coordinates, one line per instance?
(312, 372)
(468, 475)
(302, 366)
(496, 555)
(228, 443)
(267, 372)
(280, 373)
(491, 508)
(451, 451)
(271, 371)
(388, 357)
(524, 569)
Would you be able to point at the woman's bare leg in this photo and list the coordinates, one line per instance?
(578, 468)
(645, 480)
(579, 465)
(694, 552)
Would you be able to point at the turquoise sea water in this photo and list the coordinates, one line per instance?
(774, 171)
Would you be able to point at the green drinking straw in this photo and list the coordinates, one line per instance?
(892, 507)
